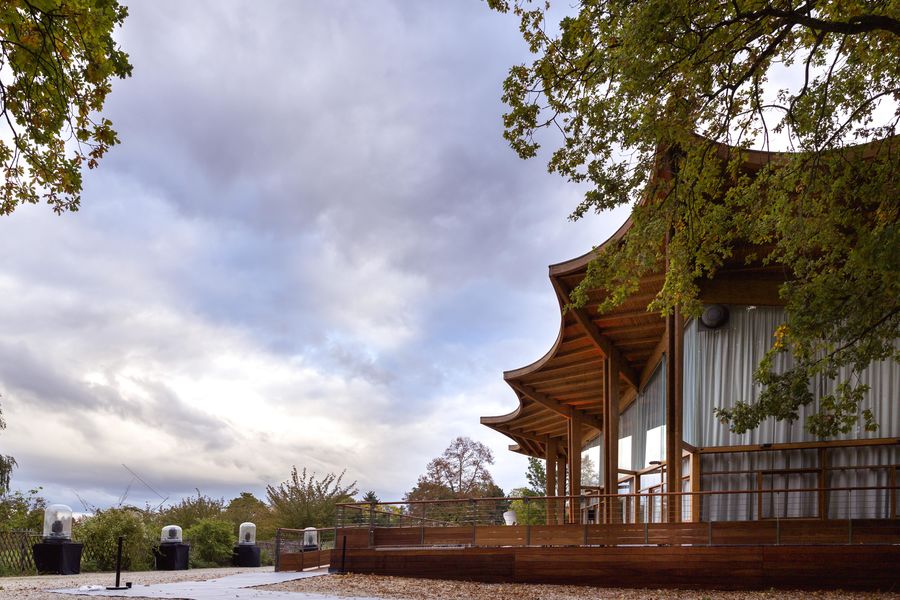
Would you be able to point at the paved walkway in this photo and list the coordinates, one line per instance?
(233, 587)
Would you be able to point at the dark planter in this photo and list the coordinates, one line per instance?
(172, 557)
(57, 558)
(245, 556)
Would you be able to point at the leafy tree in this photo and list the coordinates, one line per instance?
(20, 511)
(639, 88)
(7, 463)
(536, 476)
(305, 501)
(58, 58)
(590, 474)
(212, 541)
(191, 510)
(461, 471)
(248, 508)
(100, 534)
(528, 512)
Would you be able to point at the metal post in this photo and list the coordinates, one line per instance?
(119, 561)
(118, 585)
(343, 554)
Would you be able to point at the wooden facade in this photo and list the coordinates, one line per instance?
(601, 362)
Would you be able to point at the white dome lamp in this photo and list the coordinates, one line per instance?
(246, 553)
(57, 553)
(247, 534)
(310, 539)
(57, 523)
(172, 554)
(171, 534)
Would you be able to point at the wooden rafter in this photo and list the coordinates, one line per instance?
(563, 409)
(603, 343)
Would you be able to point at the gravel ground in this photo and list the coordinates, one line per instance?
(429, 589)
(34, 588)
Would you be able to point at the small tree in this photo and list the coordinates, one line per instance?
(249, 508)
(590, 475)
(528, 512)
(536, 476)
(100, 533)
(212, 542)
(304, 501)
(461, 471)
(192, 509)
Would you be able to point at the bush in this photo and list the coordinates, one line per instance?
(100, 534)
(212, 542)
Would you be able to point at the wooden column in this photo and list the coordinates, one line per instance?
(574, 469)
(674, 388)
(560, 490)
(550, 487)
(611, 437)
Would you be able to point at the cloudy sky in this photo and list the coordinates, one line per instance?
(313, 247)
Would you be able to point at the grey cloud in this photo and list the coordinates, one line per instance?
(326, 184)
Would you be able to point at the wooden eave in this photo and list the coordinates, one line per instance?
(568, 381)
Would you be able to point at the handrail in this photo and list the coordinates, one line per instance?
(623, 495)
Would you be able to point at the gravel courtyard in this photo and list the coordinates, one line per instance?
(354, 586)
(34, 588)
(428, 589)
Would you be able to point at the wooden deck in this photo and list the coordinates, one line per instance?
(787, 554)
(860, 567)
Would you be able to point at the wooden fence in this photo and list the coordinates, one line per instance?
(15, 552)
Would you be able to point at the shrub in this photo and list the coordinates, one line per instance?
(21, 511)
(100, 533)
(212, 541)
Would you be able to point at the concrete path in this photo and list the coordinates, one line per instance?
(233, 587)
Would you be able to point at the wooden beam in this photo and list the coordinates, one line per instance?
(561, 490)
(652, 362)
(603, 343)
(563, 409)
(673, 448)
(574, 469)
(525, 435)
(550, 472)
(695, 488)
(611, 437)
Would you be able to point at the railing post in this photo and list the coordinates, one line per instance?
(278, 549)
(777, 531)
(709, 533)
(646, 532)
(474, 521)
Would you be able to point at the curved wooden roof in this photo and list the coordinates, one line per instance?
(569, 379)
